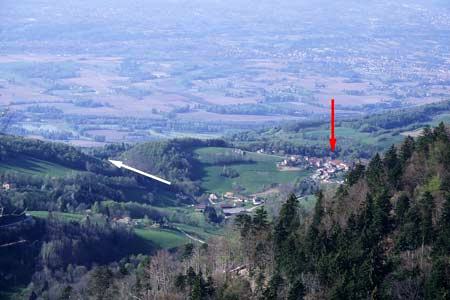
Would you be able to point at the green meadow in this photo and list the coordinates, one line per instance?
(163, 238)
(254, 176)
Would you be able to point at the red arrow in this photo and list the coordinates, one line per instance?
(332, 137)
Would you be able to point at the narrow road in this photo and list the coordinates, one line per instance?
(190, 236)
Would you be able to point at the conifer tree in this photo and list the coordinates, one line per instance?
(285, 235)
(318, 210)
(425, 140)
(296, 291)
(426, 224)
(289, 220)
(289, 255)
(244, 223)
(402, 208)
(440, 132)
(380, 223)
(442, 246)
(273, 288)
(312, 242)
(209, 287)
(180, 282)
(410, 234)
(393, 167)
(375, 175)
(190, 276)
(406, 149)
(188, 250)
(355, 174)
(438, 284)
(196, 292)
(260, 218)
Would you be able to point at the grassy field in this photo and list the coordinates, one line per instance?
(33, 166)
(253, 177)
(164, 238)
(190, 221)
(203, 233)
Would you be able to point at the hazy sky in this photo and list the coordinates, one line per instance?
(97, 21)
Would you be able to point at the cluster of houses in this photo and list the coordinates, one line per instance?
(293, 161)
(231, 203)
(262, 151)
(326, 170)
(304, 162)
(329, 171)
(125, 220)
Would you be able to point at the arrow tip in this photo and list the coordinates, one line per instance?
(117, 163)
(333, 143)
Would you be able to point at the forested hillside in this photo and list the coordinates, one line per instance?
(68, 156)
(64, 209)
(47, 247)
(173, 158)
(57, 177)
(383, 234)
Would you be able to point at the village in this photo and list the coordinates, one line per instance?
(326, 170)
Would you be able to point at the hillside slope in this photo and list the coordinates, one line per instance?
(385, 234)
(173, 160)
(13, 147)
